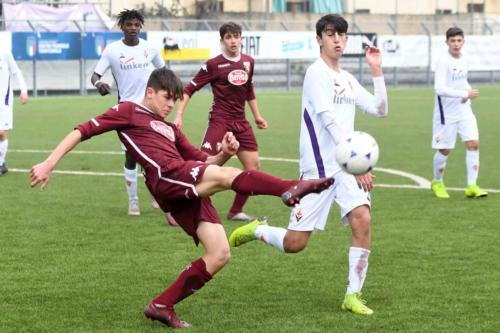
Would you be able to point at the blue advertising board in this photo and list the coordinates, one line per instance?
(93, 43)
(46, 45)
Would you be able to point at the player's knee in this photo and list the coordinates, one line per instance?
(222, 256)
(294, 244)
(228, 175)
(473, 145)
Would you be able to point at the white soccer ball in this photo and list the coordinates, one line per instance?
(357, 153)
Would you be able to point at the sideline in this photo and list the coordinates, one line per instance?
(421, 183)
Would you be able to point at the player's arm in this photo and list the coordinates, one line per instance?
(377, 103)
(23, 97)
(229, 147)
(259, 120)
(41, 172)
(204, 76)
(102, 66)
(180, 110)
(102, 87)
(443, 90)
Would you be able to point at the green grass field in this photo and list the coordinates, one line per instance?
(71, 260)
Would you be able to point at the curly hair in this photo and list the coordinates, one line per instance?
(127, 14)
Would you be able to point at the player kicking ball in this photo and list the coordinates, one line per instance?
(181, 178)
(329, 100)
(453, 115)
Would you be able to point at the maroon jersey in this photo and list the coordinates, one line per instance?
(155, 144)
(231, 83)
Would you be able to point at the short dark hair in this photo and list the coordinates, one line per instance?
(127, 14)
(165, 79)
(454, 31)
(337, 22)
(229, 27)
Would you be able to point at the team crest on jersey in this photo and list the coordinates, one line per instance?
(237, 77)
(163, 129)
(298, 214)
(246, 64)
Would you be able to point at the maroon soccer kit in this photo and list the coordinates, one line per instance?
(232, 86)
(172, 165)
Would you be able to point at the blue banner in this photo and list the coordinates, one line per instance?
(93, 43)
(46, 45)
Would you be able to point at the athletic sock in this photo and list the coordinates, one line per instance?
(472, 165)
(271, 235)
(238, 203)
(131, 182)
(4, 145)
(439, 165)
(256, 182)
(358, 265)
(191, 279)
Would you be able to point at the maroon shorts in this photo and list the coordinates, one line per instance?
(175, 192)
(241, 129)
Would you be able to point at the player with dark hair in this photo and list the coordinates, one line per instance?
(131, 60)
(181, 178)
(453, 115)
(230, 76)
(330, 96)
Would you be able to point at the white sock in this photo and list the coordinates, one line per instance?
(358, 266)
(271, 235)
(472, 165)
(131, 182)
(439, 165)
(4, 145)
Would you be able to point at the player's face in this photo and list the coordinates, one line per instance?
(455, 44)
(232, 43)
(131, 29)
(160, 102)
(332, 43)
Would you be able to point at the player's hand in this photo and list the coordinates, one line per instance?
(23, 98)
(365, 181)
(40, 173)
(261, 123)
(373, 56)
(473, 93)
(103, 88)
(229, 144)
(177, 121)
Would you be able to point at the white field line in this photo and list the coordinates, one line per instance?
(422, 183)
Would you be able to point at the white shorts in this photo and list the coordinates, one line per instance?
(6, 119)
(445, 136)
(312, 212)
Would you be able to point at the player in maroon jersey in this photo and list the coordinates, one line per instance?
(181, 178)
(230, 76)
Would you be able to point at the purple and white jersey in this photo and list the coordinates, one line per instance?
(131, 67)
(9, 70)
(339, 93)
(451, 86)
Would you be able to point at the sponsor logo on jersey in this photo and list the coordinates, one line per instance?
(116, 107)
(237, 77)
(246, 64)
(204, 67)
(129, 63)
(223, 65)
(195, 172)
(339, 95)
(207, 145)
(163, 129)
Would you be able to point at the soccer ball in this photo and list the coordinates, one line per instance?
(357, 153)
